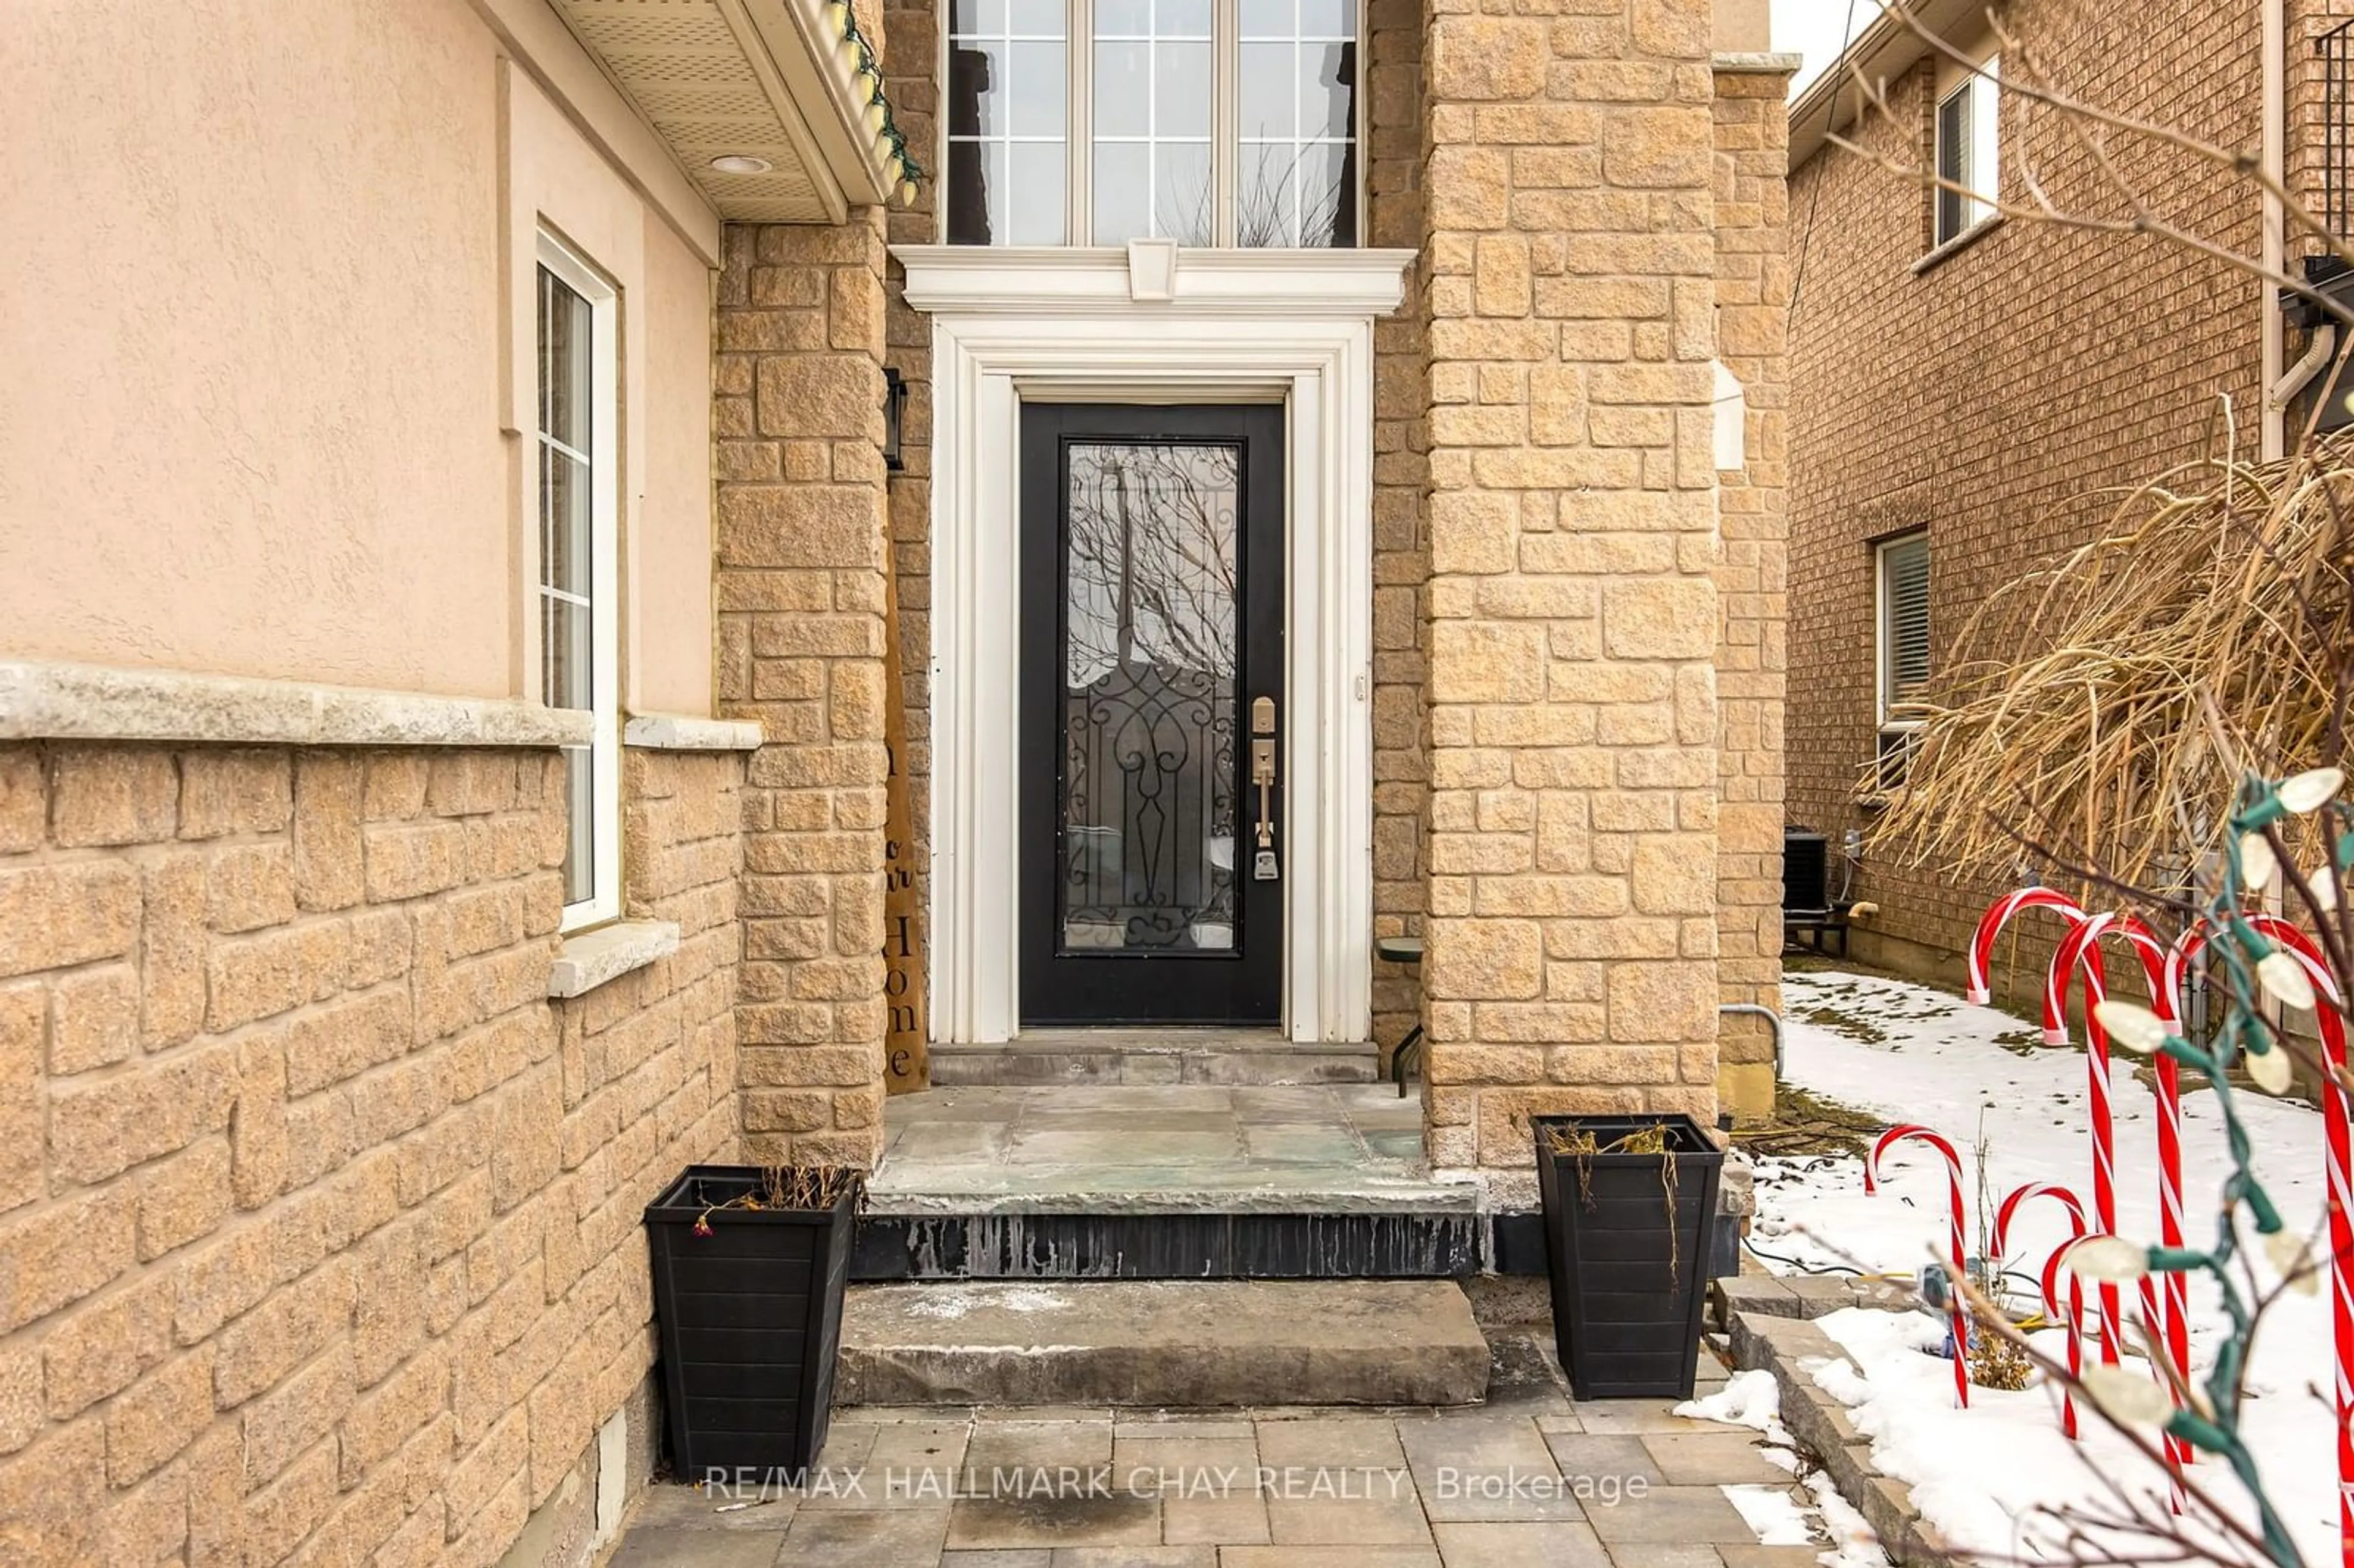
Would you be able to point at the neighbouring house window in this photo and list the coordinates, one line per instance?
(579, 641)
(1902, 648)
(1228, 122)
(1967, 152)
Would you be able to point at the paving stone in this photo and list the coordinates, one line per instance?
(1086, 1516)
(1136, 1557)
(1038, 1445)
(645, 1548)
(1345, 1441)
(1638, 1418)
(1019, 1557)
(1159, 1462)
(1489, 1469)
(1770, 1556)
(884, 1538)
(1235, 1518)
(1651, 1554)
(1328, 1557)
(1380, 1520)
(671, 1508)
(1603, 1458)
(1181, 1424)
(1519, 1544)
(1714, 1459)
(1675, 1516)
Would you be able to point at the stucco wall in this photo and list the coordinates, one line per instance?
(256, 271)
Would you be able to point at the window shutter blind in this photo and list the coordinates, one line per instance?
(1904, 600)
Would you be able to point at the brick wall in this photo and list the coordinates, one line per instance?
(322, 1224)
(800, 518)
(1992, 397)
(1574, 618)
(1753, 299)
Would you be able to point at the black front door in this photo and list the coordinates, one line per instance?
(1151, 703)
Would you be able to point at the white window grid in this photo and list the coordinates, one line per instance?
(1976, 163)
(1299, 146)
(1224, 138)
(1016, 47)
(597, 831)
(1163, 218)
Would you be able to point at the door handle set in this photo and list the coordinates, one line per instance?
(1264, 867)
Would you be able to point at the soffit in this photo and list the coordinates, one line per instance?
(757, 77)
(1886, 49)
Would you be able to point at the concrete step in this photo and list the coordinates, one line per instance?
(1192, 1344)
(1142, 1056)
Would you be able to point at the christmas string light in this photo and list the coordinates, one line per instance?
(866, 72)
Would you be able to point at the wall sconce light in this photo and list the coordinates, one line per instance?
(895, 414)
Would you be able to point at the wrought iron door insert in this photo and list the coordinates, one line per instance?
(1151, 626)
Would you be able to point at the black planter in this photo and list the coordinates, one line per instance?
(750, 1322)
(1626, 1286)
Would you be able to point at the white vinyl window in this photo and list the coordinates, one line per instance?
(1230, 122)
(1901, 566)
(1967, 152)
(577, 592)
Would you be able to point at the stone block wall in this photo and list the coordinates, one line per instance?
(1394, 100)
(319, 1225)
(1753, 306)
(800, 518)
(1574, 613)
(2003, 396)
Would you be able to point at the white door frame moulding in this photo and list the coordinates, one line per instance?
(1152, 323)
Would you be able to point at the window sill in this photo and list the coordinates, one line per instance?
(683, 732)
(591, 957)
(1958, 243)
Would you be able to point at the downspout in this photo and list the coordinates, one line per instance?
(2274, 322)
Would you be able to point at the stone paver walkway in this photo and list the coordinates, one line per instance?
(1527, 1479)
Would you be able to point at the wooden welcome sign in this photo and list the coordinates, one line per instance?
(906, 1062)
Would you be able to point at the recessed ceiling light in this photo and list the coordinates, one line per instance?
(741, 163)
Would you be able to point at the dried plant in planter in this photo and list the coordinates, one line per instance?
(1580, 1145)
(803, 1188)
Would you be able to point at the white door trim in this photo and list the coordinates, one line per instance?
(1145, 323)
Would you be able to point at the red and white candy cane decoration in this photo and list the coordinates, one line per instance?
(2080, 950)
(1998, 915)
(2336, 1121)
(2072, 1315)
(1957, 1244)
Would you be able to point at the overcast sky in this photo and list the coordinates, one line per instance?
(1812, 29)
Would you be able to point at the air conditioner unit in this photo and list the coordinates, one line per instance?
(1805, 875)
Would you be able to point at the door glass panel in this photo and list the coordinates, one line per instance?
(1150, 681)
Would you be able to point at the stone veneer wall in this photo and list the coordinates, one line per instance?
(319, 1225)
(798, 417)
(911, 59)
(1752, 309)
(1394, 112)
(1573, 616)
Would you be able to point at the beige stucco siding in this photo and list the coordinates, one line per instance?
(252, 422)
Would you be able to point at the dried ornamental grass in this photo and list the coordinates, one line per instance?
(2074, 714)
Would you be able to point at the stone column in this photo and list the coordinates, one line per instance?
(1753, 308)
(1574, 618)
(801, 522)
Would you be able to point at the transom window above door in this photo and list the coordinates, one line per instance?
(1229, 122)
